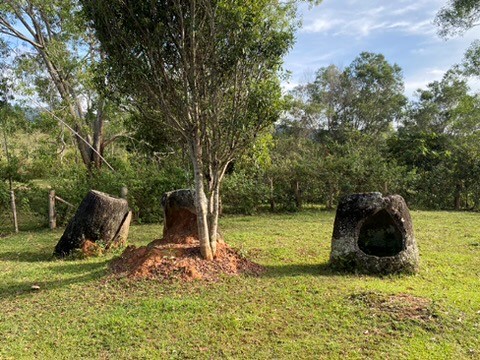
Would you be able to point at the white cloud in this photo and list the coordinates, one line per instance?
(407, 9)
(474, 84)
(421, 79)
(403, 30)
(418, 51)
(321, 25)
(425, 27)
(362, 19)
(363, 28)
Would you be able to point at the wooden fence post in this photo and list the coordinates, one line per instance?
(52, 216)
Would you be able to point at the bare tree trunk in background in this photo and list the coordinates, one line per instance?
(298, 195)
(98, 135)
(52, 221)
(272, 195)
(10, 182)
(457, 201)
(14, 209)
(331, 195)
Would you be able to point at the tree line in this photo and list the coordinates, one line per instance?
(171, 94)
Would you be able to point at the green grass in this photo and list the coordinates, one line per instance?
(298, 309)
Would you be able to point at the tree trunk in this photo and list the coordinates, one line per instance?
(10, 182)
(52, 219)
(457, 202)
(14, 210)
(98, 136)
(298, 195)
(217, 177)
(201, 202)
(272, 195)
(330, 199)
(215, 198)
(100, 219)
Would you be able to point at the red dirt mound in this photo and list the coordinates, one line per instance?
(166, 261)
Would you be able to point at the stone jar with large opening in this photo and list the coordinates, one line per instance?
(374, 234)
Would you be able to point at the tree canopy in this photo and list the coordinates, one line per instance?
(56, 60)
(366, 96)
(207, 69)
(458, 16)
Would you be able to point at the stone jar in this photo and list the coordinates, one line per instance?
(374, 234)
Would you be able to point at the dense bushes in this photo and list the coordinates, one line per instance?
(244, 192)
(428, 171)
(145, 179)
(306, 171)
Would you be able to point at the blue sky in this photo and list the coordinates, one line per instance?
(336, 31)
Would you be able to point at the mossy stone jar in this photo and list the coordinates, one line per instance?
(374, 234)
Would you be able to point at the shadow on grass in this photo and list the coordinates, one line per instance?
(324, 269)
(6, 229)
(27, 256)
(298, 270)
(79, 273)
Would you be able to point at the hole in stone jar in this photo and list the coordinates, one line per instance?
(380, 235)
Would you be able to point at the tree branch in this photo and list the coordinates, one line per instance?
(15, 33)
(105, 143)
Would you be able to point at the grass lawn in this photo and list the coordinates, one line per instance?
(298, 309)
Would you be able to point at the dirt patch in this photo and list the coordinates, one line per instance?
(398, 306)
(167, 261)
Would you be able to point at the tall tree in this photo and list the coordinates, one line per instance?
(332, 91)
(206, 68)
(58, 56)
(434, 109)
(378, 98)
(439, 140)
(367, 96)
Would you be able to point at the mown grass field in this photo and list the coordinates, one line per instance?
(298, 309)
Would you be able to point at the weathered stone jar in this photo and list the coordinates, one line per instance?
(374, 234)
(180, 216)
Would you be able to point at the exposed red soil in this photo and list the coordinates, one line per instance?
(177, 256)
(165, 261)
